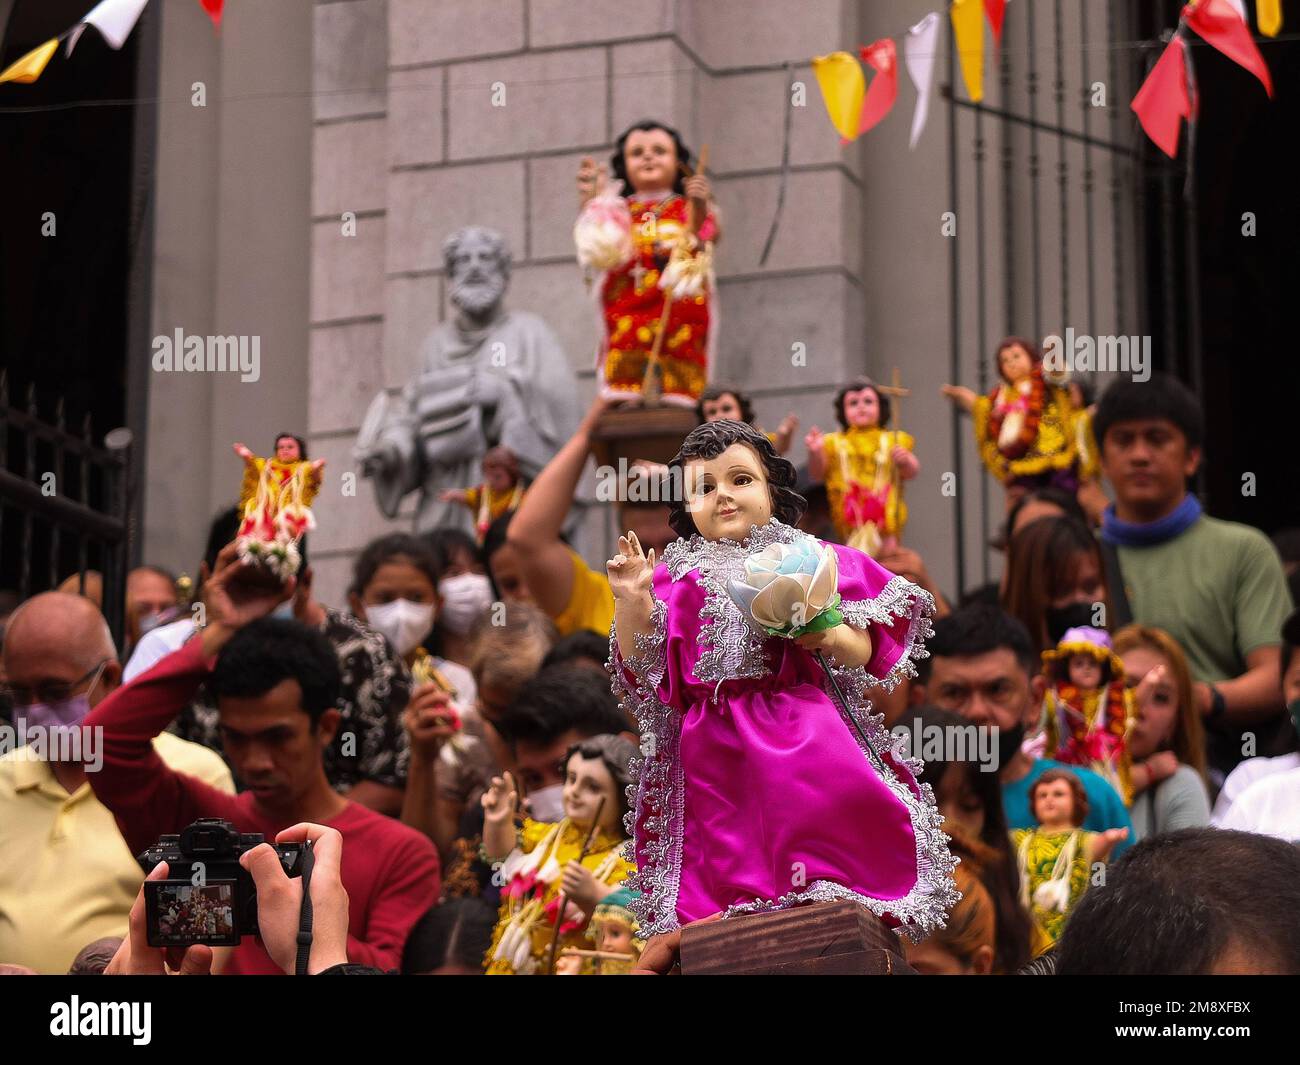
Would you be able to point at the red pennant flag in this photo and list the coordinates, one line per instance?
(213, 8)
(1219, 24)
(882, 57)
(1162, 102)
(995, 10)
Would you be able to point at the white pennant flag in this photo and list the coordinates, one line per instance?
(918, 51)
(115, 19)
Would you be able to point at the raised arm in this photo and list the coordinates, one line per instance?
(630, 575)
(534, 530)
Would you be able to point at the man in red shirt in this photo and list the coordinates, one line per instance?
(276, 683)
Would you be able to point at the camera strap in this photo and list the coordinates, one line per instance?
(304, 914)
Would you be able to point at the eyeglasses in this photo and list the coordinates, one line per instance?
(56, 692)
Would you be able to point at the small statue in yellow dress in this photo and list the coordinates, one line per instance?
(1056, 858)
(1027, 428)
(575, 863)
(864, 465)
(275, 504)
(500, 492)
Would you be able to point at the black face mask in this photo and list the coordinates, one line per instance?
(1061, 619)
(1009, 741)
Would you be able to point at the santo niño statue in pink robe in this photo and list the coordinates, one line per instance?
(756, 791)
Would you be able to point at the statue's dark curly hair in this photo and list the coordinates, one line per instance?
(710, 440)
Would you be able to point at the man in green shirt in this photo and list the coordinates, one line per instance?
(1216, 587)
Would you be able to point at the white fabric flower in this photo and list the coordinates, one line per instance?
(603, 232)
(787, 585)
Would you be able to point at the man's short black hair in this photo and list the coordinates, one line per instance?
(1161, 397)
(457, 931)
(1175, 903)
(561, 699)
(580, 644)
(977, 629)
(265, 652)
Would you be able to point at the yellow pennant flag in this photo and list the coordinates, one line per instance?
(1268, 16)
(843, 86)
(27, 69)
(968, 29)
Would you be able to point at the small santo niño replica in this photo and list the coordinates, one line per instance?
(864, 466)
(648, 237)
(615, 931)
(1089, 711)
(275, 504)
(1056, 858)
(554, 875)
(767, 781)
(1027, 428)
(500, 492)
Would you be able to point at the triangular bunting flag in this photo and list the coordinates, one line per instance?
(995, 10)
(1162, 102)
(882, 57)
(115, 19)
(27, 69)
(1268, 16)
(839, 75)
(1218, 24)
(918, 53)
(213, 8)
(968, 32)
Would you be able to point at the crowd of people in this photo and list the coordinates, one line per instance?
(442, 734)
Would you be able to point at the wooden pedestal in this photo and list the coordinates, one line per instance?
(650, 433)
(824, 939)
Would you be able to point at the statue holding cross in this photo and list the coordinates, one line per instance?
(865, 464)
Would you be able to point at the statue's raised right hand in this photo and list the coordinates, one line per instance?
(630, 571)
(591, 179)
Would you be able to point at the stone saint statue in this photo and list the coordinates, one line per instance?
(488, 377)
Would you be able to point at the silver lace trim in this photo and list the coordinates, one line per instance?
(735, 649)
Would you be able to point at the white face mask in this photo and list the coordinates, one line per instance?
(403, 622)
(465, 599)
(547, 804)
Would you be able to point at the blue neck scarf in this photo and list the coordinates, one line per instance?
(1150, 533)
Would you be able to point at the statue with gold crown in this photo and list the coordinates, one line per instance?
(275, 504)
(648, 235)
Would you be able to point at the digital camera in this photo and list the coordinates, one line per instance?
(208, 897)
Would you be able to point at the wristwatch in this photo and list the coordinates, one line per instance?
(1218, 705)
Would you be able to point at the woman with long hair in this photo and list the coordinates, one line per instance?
(1055, 580)
(1168, 739)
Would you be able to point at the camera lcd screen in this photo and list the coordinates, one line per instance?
(180, 914)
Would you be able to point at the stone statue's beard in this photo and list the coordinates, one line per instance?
(476, 298)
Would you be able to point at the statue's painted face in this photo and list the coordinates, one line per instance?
(725, 406)
(1085, 672)
(862, 408)
(286, 449)
(728, 494)
(478, 278)
(650, 156)
(615, 937)
(1015, 363)
(586, 782)
(1054, 804)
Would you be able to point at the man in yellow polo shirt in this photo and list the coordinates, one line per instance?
(66, 875)
(572, 594)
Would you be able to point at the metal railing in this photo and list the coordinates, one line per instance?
(64, 503)
(1042, 139)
